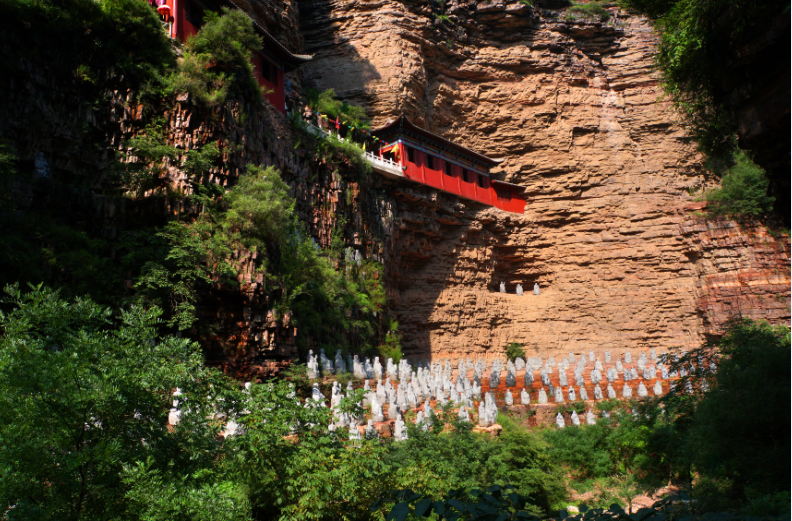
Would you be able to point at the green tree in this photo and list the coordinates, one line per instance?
(85, 397)
(743, 191)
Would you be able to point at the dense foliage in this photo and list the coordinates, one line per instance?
(699, 40)
(743, 191)
(217, 62)
(85, 394)
(328, 104)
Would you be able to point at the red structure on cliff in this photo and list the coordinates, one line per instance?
(434, 161)
(187, 16)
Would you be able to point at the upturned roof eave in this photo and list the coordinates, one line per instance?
(402, 122)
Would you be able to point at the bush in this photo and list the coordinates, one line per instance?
(743, 191)
(217, 60)
(327, 104)
(515, 350)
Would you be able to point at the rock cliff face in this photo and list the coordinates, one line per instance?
(610, 232)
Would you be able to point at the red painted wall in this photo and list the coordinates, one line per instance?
(453, 182)
(278, 95)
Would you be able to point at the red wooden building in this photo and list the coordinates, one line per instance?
(429, 159)
(274, 60)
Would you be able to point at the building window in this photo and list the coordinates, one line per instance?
(268, 71)
(410, 154)
(430, 164)
(447, 168)
(466, 175)
(504, 194)
(480, 181)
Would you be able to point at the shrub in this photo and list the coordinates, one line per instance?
(326, 103)
(217, 60)
(697, 39)
(515, 350)
(743, 191)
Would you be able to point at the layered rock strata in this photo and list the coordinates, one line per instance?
(574, 107)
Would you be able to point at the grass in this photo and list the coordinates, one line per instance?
(590, 10)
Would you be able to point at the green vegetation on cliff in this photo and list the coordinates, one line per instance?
(85, 393)
(698, 41)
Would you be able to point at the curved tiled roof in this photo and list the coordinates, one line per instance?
(402, 125)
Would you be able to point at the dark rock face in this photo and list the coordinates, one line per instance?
(756, 85)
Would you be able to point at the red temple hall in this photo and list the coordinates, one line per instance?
(429, 159)
(185, 17)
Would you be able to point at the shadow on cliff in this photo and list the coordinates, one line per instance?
(336, 63)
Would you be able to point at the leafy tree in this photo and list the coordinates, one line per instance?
(295, 468)
(743, 191)
(85, 395)
(217, 61)
(737, 433)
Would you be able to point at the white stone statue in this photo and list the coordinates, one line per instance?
(627, 357)
(509, 399)
(642, 390)
(559, 395)
(590, 418)
(536, 289)
(627, 391)
(583, 393)
(560, 423)
(376, 410)
(591, 355)
(463, 415)
(611, 392)
(658, 388)
(542, 396)
(598, 392)
(575, 419)
(502, 287)
(520, 290)
(607, 357)
(572, 394)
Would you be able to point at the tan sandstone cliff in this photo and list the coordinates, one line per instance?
(610, 232)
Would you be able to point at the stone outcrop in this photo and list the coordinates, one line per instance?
(610, 232)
